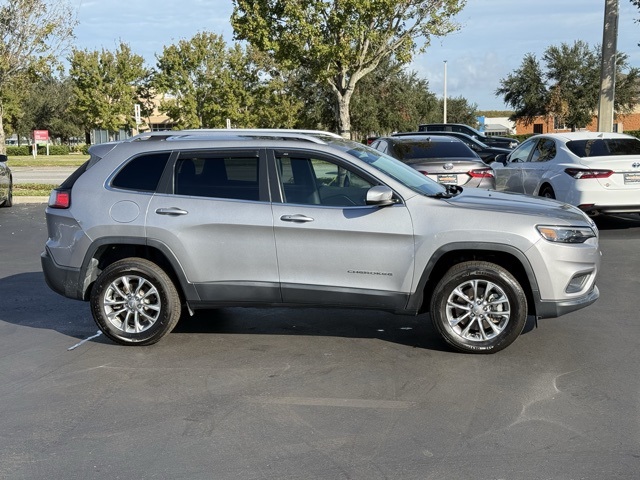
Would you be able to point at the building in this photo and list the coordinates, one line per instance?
(550, 124)
(496, 126)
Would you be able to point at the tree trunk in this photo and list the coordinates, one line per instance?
(344, 115)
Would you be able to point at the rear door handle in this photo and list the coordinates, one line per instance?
(296, 218)
(171, 211)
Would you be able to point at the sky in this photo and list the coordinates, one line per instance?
(493, 39)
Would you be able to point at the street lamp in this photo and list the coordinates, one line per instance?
(445, 91)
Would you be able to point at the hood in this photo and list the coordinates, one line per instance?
(516, 203)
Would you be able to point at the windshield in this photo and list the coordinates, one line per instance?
(602, 147)
(397, 170)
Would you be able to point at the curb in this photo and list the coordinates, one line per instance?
(20, 200)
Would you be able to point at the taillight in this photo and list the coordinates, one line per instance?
(60, 199)
(481, 173)
(579, 173)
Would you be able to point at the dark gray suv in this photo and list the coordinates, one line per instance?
(178, 221)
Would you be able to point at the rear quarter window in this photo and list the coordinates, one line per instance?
(602, 147)
(142, 173)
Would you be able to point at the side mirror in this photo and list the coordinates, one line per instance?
(380, 195)
(3, 158)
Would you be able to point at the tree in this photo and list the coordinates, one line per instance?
(567, 87)
(459, 110)
(193, 74)
(391, 99)
(205, 83)
(525, 90)
(107, 85)
(342, 41)
(636, 3)
(46, 105)
(387, 100)
(573, 76)
(32, 34)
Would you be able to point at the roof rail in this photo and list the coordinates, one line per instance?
(315, 136)
(265, 130)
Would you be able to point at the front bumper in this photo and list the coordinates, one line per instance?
(547, 309)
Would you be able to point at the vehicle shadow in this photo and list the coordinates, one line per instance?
(617, 222)
(29, 302)
(413, 331)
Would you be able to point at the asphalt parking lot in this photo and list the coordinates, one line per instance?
(314, 394)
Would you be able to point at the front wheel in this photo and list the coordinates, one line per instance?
(479, 307)
(134, 302)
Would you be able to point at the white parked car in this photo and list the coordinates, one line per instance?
(597, 172)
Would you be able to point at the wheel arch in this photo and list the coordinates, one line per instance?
(447, 256)
(546, 184)
(108, 250)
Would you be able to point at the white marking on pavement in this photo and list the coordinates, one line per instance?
(85, 340)
(331, 402)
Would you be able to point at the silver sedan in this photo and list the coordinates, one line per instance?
(443, 159)
(6, 183)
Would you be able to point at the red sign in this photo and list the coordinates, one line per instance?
(40, 136)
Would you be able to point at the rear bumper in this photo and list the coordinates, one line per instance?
(62, 280)
(609, 209)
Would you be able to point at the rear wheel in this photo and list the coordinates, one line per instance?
(547, 192)
(479, 307)
(134, 302)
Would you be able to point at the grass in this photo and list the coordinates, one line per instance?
(32, 189)
(47, 161)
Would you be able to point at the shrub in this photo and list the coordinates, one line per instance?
(54, 150)
(22, 150)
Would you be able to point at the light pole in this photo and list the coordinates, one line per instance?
(445, 91)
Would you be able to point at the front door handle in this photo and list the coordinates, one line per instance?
(171, 211)
(296, 218)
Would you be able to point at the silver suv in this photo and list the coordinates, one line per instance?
(188, 220)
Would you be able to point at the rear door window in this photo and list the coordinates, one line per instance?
(544, 151)
(226, 176)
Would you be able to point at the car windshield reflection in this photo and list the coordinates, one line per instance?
(390, 166)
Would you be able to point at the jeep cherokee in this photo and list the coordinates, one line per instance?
(201, 219)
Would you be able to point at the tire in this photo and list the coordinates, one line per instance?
(134, 302)
(547, 192)
(467, 319)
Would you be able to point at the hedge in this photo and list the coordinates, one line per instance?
(25, 150)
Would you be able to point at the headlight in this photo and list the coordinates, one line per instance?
(566, 234)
